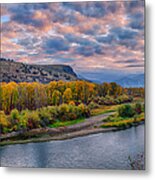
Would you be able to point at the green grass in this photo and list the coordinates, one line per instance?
(66, 123)
(138, 100)
(115, 121)
(103, 110)
(113, 108)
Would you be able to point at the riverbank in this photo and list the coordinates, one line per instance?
(100, 151)
(91, 125)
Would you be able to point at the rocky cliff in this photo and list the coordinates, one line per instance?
(20, 72)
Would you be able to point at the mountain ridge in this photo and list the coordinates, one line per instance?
(20, 72)
(134, 80)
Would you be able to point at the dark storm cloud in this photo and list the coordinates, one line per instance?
(55, 44)
(95, 9)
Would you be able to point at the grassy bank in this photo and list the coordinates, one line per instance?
(123, 123)
(104, 110)
(101, 120)
(66, 123)
(126, 115)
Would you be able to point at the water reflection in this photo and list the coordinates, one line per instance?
(107, 151)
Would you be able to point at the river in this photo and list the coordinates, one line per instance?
(100, 151)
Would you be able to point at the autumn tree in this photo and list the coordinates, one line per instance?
(3, 121)
(67, 95)
(56, 97)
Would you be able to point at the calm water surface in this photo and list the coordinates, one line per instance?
(105, 150)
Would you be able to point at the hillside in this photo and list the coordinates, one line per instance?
(20, 72)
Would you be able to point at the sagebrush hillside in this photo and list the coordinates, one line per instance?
(20, 72)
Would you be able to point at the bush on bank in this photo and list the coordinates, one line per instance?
(41, 117)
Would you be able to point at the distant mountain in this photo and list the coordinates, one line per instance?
(134, 80)
(20, 72)
(101, 75)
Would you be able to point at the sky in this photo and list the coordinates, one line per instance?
(100, 40)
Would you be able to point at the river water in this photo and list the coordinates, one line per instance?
(104, 150)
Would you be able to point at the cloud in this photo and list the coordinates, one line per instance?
(29, 14)
(105, 39)
(89, 36)
(89, 50)
(89, 9)
(122, 33)
(135, 66)
(127, 61)
(27, 19)
(77, 39)
(28, 43)
(55, 44)
(130, 43)
(85, 51)
(137, 21)
(132, 6)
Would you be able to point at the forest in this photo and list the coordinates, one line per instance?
(34, 105)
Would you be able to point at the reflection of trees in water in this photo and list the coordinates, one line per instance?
(138, 162)
(40, 154)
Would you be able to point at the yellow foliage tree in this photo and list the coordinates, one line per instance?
(67, 95)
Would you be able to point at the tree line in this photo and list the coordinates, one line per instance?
(36, 95)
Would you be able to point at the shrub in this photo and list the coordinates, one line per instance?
(31, 119)
(84, 110)
(101, 101)
(126, 111)
(70, 112)
(109, 100)
(23, 120)
(44, 116)
(64, 108)
(72, 116)
(53, 111)
(123, 99)
(93, 105)
(72, 103)
(14, 118)
(14, 115)
(3, 122)
(138, 108)
(63, 112)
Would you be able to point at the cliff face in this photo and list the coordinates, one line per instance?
(19, 72)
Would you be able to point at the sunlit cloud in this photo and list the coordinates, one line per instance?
(89, 36)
